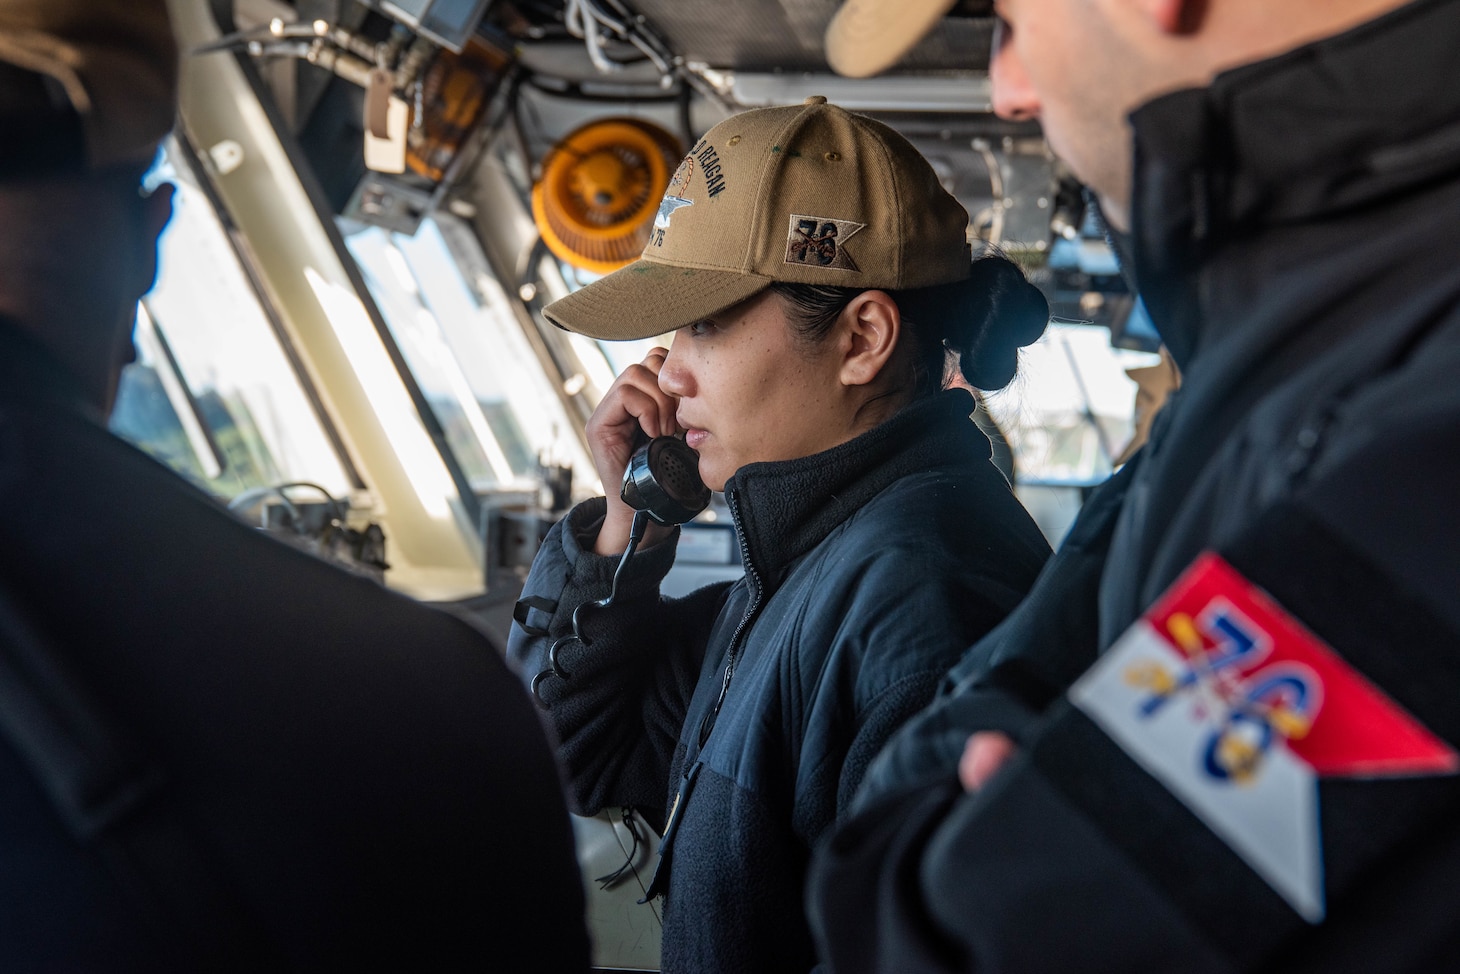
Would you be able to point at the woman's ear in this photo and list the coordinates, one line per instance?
(1176, 17)
(870, 326)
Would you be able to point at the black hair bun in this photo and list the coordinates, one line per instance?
(1002, 312)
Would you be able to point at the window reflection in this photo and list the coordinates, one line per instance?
(1069, 410)
(212, 394)
(491, 395)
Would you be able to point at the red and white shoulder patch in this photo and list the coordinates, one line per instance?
(1238, 709)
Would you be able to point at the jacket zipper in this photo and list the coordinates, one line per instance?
(660, 880)
(732, 656)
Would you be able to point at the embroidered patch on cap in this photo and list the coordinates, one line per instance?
(674, 199)
(821, 242)
(667, 206)
(1238, 709)
(710, 164)
(679, 182)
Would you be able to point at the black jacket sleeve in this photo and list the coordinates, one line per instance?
(1078, 856)
(618, 714)
(1009, 677)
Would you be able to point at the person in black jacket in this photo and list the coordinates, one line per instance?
(816, 275)
(1221, 733)
(217, 753)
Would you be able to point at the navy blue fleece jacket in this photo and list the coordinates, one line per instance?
(869, 568)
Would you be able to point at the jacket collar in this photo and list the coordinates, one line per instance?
(783, 509)
(1328, 127)
(29, 373)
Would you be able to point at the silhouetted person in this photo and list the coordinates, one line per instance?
(216, 753)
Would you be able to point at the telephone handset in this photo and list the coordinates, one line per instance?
(663, 481)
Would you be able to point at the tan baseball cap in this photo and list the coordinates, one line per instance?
(806, 194)
(113, 63)
(867, 37)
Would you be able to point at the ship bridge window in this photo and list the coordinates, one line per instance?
(1068, 416)
(450, 318)
(213, 393)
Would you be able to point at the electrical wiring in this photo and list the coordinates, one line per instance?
(595, 26)
(580, 19)
(996, 187)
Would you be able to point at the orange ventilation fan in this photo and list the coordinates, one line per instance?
(600, 190)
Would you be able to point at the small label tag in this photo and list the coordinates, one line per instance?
(388, 153)
(379, 90)
(1238, 709)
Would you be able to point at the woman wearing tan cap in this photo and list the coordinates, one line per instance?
(816, 277)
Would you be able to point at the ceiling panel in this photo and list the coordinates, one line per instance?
(787, 35)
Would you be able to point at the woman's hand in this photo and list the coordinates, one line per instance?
(634, 403)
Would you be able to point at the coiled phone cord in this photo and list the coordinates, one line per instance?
(554, 667)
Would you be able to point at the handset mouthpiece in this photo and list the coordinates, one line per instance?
(663, 480)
